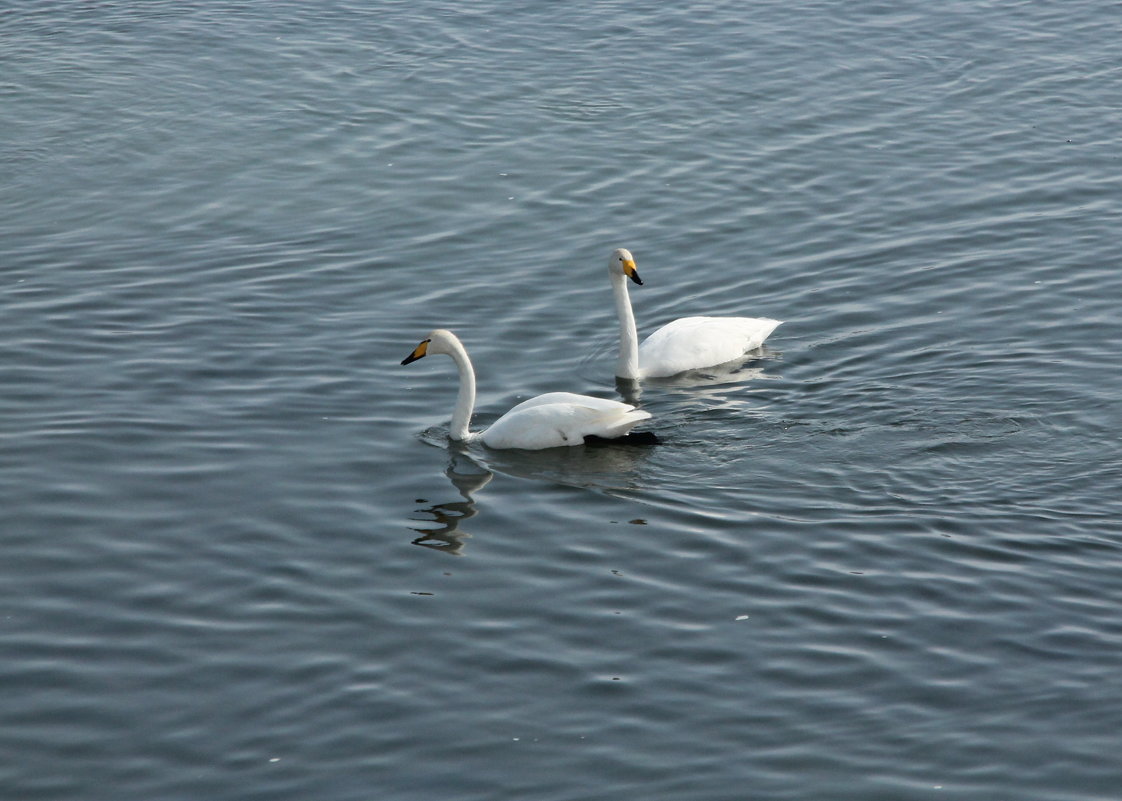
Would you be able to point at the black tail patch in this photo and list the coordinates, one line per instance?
(634, 438)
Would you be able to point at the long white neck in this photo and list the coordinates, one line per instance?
(628, 364)
(465, 400)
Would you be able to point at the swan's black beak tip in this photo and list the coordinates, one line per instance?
(635, 277)
(418, 352)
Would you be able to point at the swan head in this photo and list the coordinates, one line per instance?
(623, 263)
(438, 341)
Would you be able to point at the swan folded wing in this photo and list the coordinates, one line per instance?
(533, 426)
(589, 401)
(691, 343)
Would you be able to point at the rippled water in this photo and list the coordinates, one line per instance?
(882, 560)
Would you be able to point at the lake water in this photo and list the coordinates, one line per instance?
(881, 560)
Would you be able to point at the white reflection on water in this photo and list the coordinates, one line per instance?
(716, 377)
(467, 477)
(604, 466)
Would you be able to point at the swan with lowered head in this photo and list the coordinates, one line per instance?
(688, 343)
(545, 421)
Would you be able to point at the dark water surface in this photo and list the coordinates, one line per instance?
(883, 560)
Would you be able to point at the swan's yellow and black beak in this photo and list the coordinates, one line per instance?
(418, 353)
(630, 271)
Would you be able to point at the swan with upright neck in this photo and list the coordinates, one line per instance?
(688, 343)
(546, 421)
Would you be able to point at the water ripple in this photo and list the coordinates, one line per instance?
(878, 558)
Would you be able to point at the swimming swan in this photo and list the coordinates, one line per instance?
(547, 421)
(687, 343)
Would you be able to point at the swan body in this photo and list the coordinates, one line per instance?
(688, 343)
(546, 421)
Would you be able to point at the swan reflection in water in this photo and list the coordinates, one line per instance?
(605, 466)
(468, 478)
(707, 382)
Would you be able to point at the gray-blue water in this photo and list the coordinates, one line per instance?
(239, 561)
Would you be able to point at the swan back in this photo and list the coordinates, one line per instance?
(691, 343)
(546, 422)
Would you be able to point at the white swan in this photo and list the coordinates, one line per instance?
(688, 343)
(546, 421)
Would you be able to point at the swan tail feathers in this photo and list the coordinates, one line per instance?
(622, 425)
